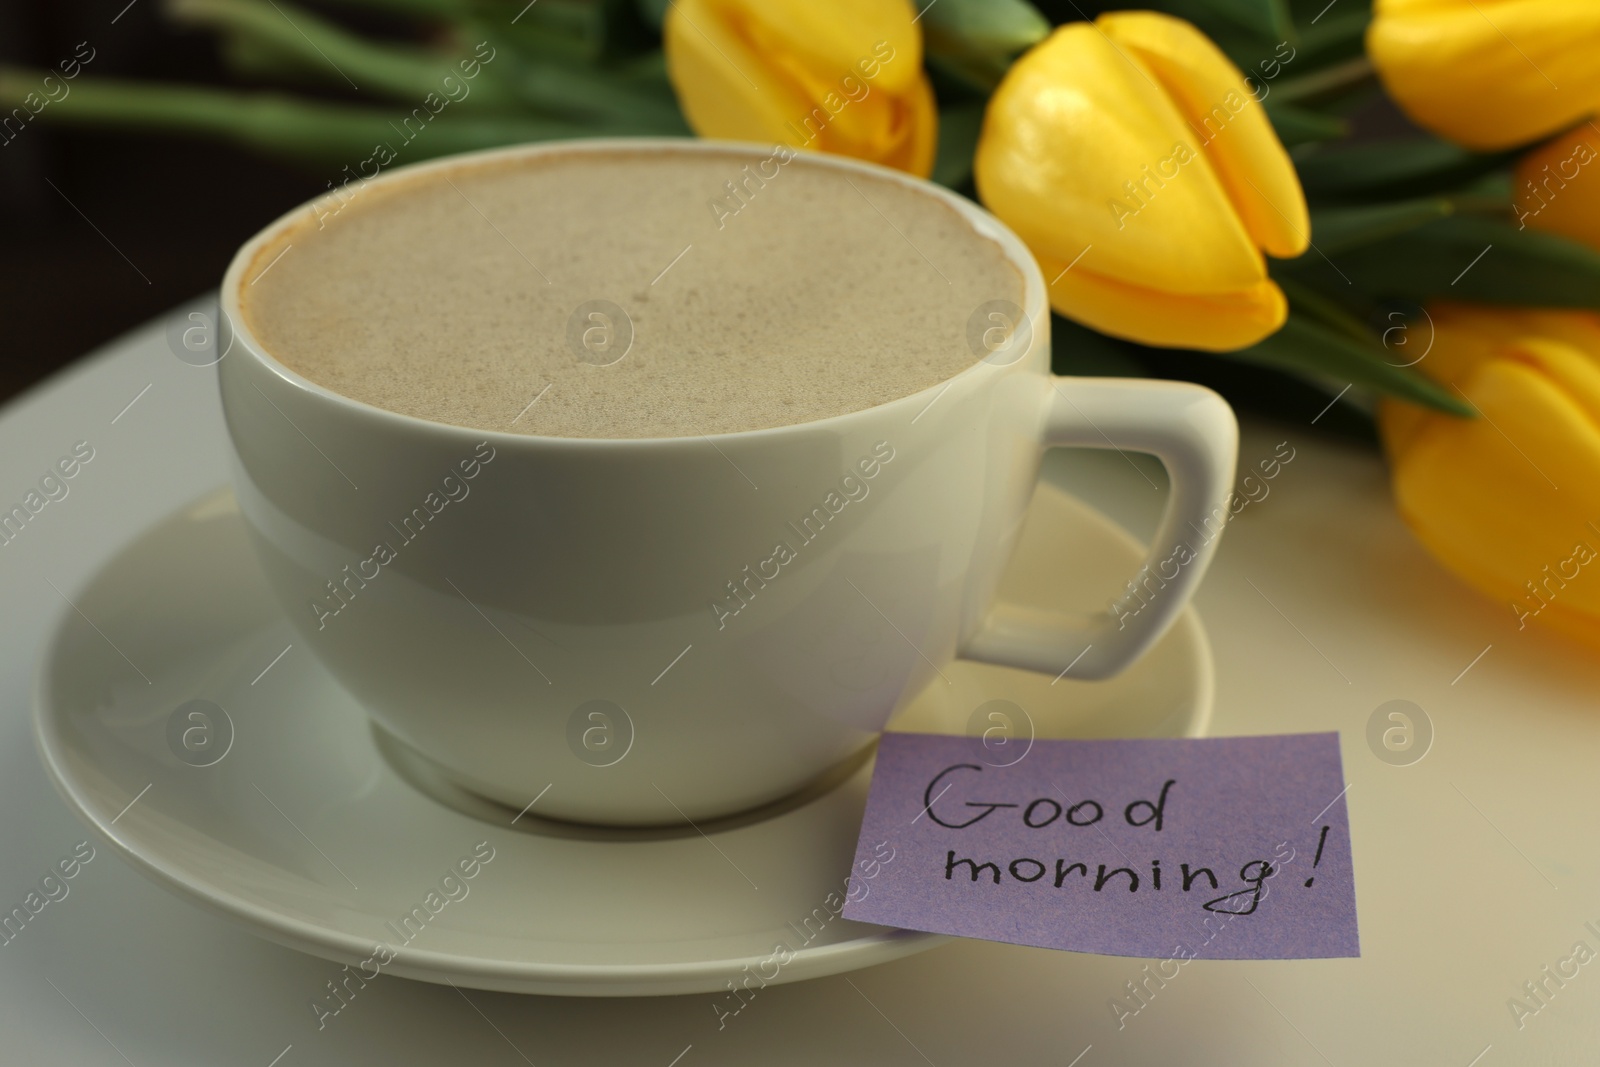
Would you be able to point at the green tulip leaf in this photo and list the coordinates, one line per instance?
(958, 141)
(1268, 17)
(1339, 229)
(965, 77)
(1318, 305)
(654, 12)
(1340, 32)
(1409, 166)
(1309, 347)
(1078, 350)
(1298, 125)
(1471, 258)
(1311, 13)
(974, 41)
(987, 28)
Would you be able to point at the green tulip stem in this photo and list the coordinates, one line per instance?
(271, 33)
(1309, 347)
(1338, 77)
(311, 131)
(315, 45)
(584, 92)
(440, 9)
(1320, 307)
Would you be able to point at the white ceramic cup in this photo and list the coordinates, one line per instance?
(609, 625)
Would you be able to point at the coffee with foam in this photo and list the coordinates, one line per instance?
(620, 294)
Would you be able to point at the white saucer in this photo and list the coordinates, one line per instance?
(302, 830)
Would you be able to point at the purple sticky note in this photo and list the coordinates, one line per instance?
(1215, 848)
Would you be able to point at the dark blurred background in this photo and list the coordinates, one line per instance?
(175, 209)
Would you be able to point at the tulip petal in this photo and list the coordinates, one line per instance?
(1399, 424)
(1580, 329)
(1482, 494)
(738, 77)
(1489, 75)
(834, 36)
(1464, 336)
(725, 90)
(1459, 338)
(854, 120)
(858, 118)
(1456, 339)
(1569, 369)
(1230, 125)
(1558, 186)
(915, 134)
(1080, 146)
(1220, 322)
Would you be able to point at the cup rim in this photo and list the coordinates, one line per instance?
(985, 224)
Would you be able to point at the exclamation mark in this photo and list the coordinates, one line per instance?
(1322, 840)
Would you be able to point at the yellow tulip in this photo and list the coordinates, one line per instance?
(1489, 74)
(1558, 186)
(1131, 157)
(1511, 501)
(842, 76)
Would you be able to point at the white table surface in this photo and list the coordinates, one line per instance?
(1475, 867)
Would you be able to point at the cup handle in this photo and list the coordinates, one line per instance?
(1193, 432)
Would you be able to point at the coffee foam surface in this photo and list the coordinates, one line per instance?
(502, 295)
